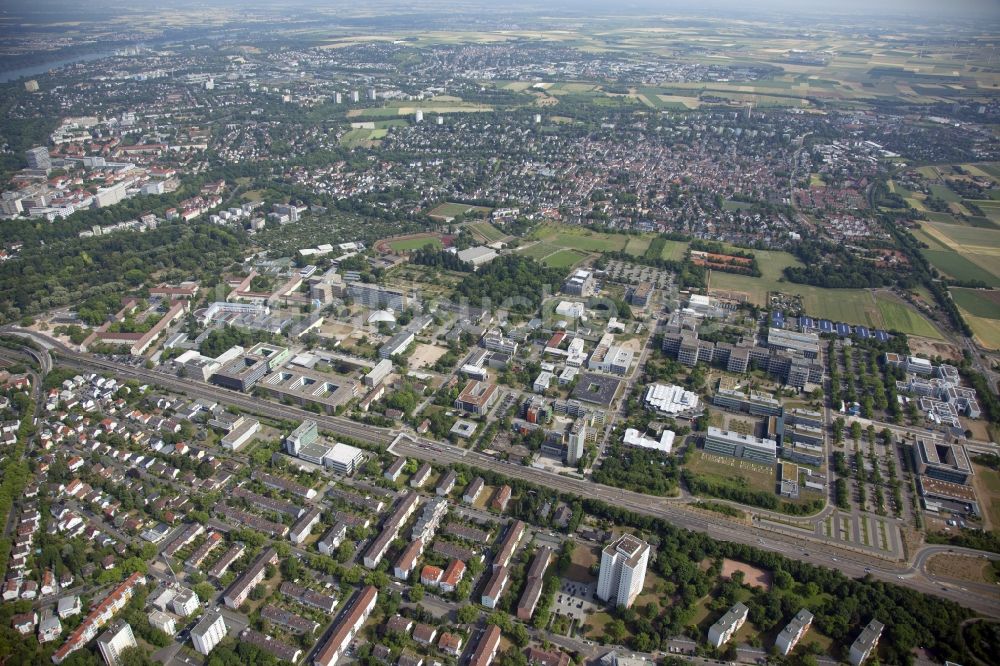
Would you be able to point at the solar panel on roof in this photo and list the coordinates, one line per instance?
(843, 329)
(825, 325)
(881, 336)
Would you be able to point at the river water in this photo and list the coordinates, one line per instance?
(35, 70)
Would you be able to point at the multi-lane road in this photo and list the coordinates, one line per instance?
(978, 597)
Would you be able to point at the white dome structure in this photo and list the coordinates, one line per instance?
(382, 316)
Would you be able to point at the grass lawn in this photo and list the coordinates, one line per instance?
(901, 317)
(583, 558)
(731, 471)
(487, 231)
(404, 244)
(362, 137)
(987, 484)
(539, 250)
(674, 250)
(589, 241)
(451, 209)
(637, 245)
(564, 258)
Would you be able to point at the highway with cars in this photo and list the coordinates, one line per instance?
(981, 598)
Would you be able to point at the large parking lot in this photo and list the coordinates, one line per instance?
(576, 600)
(629, 273)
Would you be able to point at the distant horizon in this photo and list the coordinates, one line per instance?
(905, 10)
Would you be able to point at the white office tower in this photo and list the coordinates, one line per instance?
(114, 641)
(210, 84)
(209, 632)
(538, 118)
(355, 96)
(623, 570)
(337, 98)
(419, 116)
(440, 120)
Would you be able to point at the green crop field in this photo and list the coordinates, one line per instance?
(978, 302)
(900, 317)
(405, 244)
(955, 265)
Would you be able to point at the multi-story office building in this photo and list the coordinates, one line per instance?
(576, 441)
(942, 460)
(477, 397)
(623, 570)
(738, 445)
(304, 435)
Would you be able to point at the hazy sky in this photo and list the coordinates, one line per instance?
(988, 9)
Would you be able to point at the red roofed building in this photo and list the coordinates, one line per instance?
(346, 627)
(452, 575)
(431, 575)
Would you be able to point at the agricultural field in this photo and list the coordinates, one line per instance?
(854, 306)
(963, 252)
(981, 309)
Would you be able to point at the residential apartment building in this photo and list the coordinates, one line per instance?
(114, 641)
(623, 570)
(209, 632)
(727, 625)
(347, 626)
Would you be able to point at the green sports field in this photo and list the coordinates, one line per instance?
(564, 258)
(487, 231)
(406, 244)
